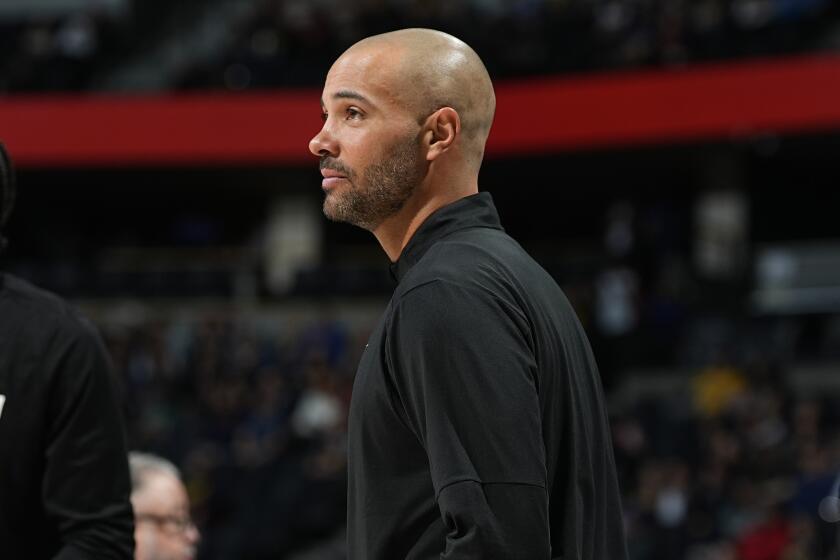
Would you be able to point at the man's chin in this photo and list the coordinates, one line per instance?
(334, 210)
(331, 211)
(335, 214)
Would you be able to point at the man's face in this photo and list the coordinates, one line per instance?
(369, 146)
(163, 528)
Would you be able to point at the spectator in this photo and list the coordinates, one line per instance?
(164, 529)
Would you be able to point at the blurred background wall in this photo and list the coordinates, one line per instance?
(673, 164)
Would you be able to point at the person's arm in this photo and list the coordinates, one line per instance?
(467, 379)
(86, 487)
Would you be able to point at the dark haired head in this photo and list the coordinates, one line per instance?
(7, 192)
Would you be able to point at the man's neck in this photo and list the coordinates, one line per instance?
(396, 231)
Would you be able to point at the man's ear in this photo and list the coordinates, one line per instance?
(443, 127)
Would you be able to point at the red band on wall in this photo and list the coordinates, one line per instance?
(716, 101)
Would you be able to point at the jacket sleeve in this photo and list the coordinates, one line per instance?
(86, 487)
(466, 376)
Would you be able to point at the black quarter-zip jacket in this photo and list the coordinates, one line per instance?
(477, 423)
(64, 483)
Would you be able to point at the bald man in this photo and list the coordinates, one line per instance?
(477, 426)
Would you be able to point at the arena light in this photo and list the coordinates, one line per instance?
(797, 278)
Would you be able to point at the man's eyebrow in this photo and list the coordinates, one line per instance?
(349, 94)
(346, 94)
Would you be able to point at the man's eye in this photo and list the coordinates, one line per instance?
(324, 116)
(353, 113)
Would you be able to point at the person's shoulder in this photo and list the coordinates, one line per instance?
(480, 258)
(21, 297)
(27, 305)
(441, 298)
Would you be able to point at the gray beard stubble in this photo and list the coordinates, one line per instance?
(383, 190)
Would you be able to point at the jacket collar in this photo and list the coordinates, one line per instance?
(474, 211)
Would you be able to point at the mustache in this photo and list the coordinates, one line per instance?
(327, 162)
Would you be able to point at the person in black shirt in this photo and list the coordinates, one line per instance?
(64, 483)
(477, 424)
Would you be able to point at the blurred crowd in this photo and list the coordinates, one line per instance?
(293, 42)
(729, 464)
(736, 468)
(255, 419)
(290, 43)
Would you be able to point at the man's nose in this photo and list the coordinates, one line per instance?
(323, 144)
(192, 534)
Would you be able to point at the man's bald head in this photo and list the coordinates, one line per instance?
(426, 70)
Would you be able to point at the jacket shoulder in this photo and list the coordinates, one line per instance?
(25, 307)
